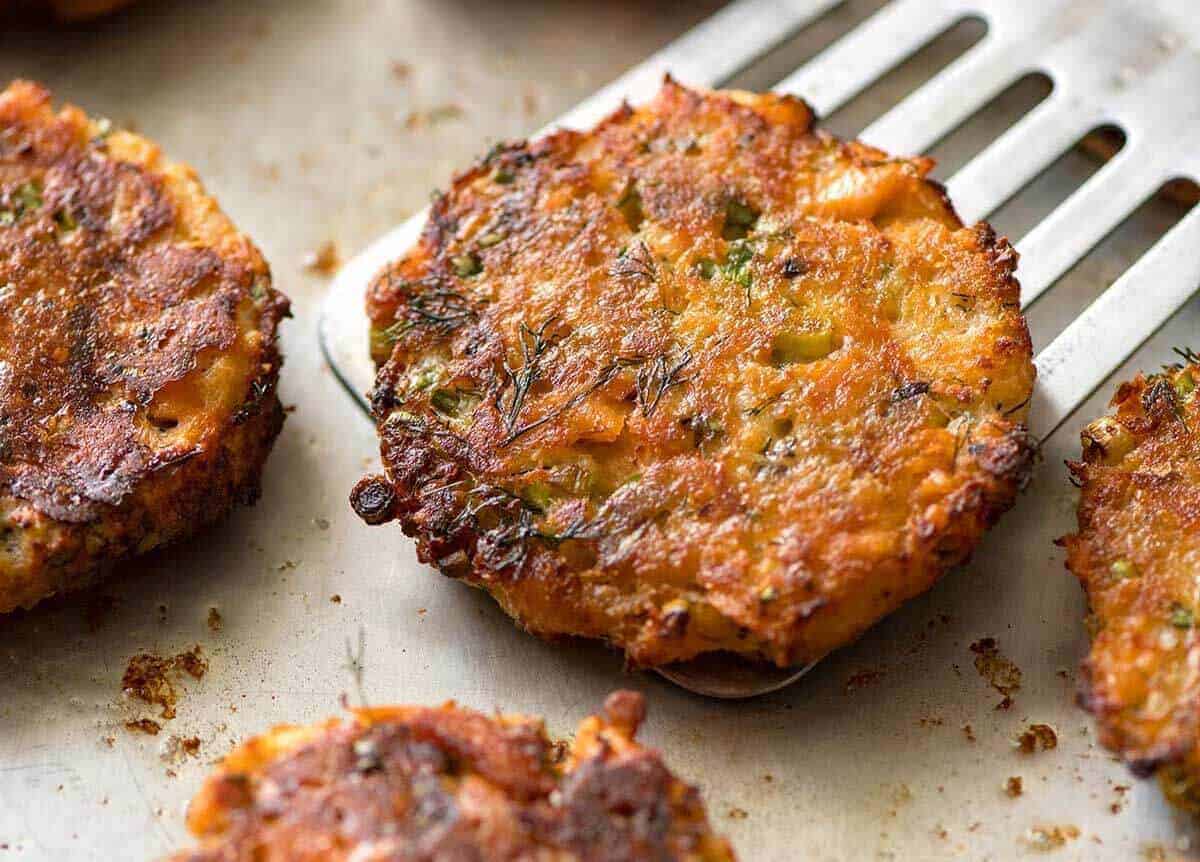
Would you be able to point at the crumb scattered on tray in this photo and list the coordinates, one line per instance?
(1014, 787)
(862, 679)
(999, 672)
(325, 260)
(149, 678)
(968, 732)
(144, 725)
(1037, 737)
(336, 599)
(1047, 838)
(432, 116)
(215, 622)
(738, 813)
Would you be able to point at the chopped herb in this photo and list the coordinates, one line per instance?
(26, 198)
(707, 268)
(503, 176)
(1181, 617)
(739, 220)
(1185, 385)
(767, 595)
(655, 378)
(65, 221)
(538, 496)
(425, 377)
(737, 265)
(794, 267)
(534, 345)
(635, 262)
(1122, 569)
(490, 239)
(453, 402)
(466, 265)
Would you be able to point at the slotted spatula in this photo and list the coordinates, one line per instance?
(1133, 64)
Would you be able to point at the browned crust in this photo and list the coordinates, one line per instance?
(138, 398)
(1134, 554)
(410, 782)
(714, 546)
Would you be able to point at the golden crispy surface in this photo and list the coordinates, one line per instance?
(1137, 554)
(137, 350)
(408, 782)
(700, 379)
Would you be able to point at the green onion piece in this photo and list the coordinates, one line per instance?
(707, 268)
(1122, 569)
(503, 176)
(466, 265)
(630, 205)
(739, 220)
(538, 496)
(794, 347)
(1181, 617)
(1185, 385)
(446, 401)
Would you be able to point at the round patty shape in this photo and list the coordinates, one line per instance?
(411, 782)
(137, 350)
(1137, 554)
(700, 379)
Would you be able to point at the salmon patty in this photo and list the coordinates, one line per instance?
(410, 782)
(1137, 555)
(700, 379)
(137, 350)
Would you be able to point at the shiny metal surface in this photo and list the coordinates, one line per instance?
(297, 117)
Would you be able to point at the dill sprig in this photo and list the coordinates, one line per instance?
(635, 263)
(657, 376)
(1187, 355)
(438, 308)
(356, 664)
(535, 344)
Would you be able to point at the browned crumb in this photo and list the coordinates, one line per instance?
(144, 725)
(738, 813)
(432, 116)
(214, 620)
(325, 260)
(148, 677)
(999, 672)
(336, 599)
(862, 679)
(1046, 838)
(190, 746)
(1014, 787)
(968, 732)
(1035, 737)
(401, 71)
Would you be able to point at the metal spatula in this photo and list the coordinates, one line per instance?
(1133, 64)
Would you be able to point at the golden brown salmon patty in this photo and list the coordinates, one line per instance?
(699, 379)
(409, 783)
(1137, 554)
(137, 350)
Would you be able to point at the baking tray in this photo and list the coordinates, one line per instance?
(317, 120)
